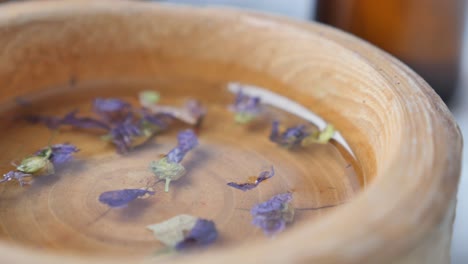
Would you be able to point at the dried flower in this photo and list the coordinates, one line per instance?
(320, 137)
(291, 137)
(43, 160)
(60, 153)
(16, 175)
(121, 198)
(202, 234)
(246, 107)
(169, 167)
(126, 127)
(153, 123)
(273, 215)
(70, 119)
(38, 163)
(123, 133)
(167, 171)
(187, 140)
(185, 232)
(254, 182)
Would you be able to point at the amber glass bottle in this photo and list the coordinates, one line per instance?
(425, 34)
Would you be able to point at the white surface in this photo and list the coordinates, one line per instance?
(460, 231)
(460, 110)
(287, 105)
(300, 9)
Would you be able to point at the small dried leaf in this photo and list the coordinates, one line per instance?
(171, 232)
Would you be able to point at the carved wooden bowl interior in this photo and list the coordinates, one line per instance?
(394, 203)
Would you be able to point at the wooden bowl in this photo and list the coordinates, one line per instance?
(407, 145)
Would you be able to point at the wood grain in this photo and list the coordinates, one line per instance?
(406, 141)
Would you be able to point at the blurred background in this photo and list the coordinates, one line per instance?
(430, 36)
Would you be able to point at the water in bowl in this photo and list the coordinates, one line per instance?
(61, 212)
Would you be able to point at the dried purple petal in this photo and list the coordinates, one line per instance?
(69, 119)
(15, 175)
(292, 137)
(159, 120)
(246, 107)
(187, 140)
(202, 234)
(62, 153)
(51, 122)
(264, 175)
(273, 215)
(123, 134)
(109, 105)
(150, 124)
(82, 122)
(111, 110)
(120, 198)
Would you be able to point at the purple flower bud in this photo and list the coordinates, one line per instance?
(109, 105)
(273, 215)
(202, 234)
(15, 175)
(264, 175)
(111, 110)
(246, 107)
(292, 137)
(120, 198)
(187, 140)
